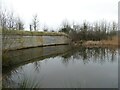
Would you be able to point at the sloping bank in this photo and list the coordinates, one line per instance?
(14, 39)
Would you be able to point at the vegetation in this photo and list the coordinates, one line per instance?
(90, 31)
(35, 23)
(28, 83)
(96, 31)
(24, 82)
(10, 22)
(33, 33)
(11, 25)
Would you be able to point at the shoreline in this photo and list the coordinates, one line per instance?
(114, 42)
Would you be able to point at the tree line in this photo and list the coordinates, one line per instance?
(90, 31)
(85, 31)
(8, 21)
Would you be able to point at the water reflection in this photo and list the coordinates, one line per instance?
(23, 77)
(96, 55)
(75, 68)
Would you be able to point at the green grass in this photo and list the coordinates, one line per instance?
(32, 33)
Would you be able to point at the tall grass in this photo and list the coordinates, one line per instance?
(112, 41)
(28, 83)
(22, 81)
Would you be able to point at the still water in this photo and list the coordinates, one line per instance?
(64, 67)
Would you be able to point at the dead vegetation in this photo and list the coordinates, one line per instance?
(114, 41)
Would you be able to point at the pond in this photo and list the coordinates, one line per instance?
(63, 67)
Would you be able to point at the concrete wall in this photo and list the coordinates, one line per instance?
(13, 42)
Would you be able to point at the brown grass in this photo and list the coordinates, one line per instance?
(114, 41)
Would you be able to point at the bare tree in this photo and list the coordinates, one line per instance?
(45, 28)
(8, 23)
(35, 22)
(30, 26)
(3, 19)
(65, 23)
(19, 24)
(11, 22)
(65, 27)
(0, 18)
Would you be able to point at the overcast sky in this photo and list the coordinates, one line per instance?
(53, 12)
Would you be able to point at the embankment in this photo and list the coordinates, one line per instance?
(13, 40)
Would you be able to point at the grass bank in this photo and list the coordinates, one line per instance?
(113, 41)
(32, 33)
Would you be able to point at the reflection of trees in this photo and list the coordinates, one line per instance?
(37, 66)
(67, 57)
(96, 55)
(113, 52)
